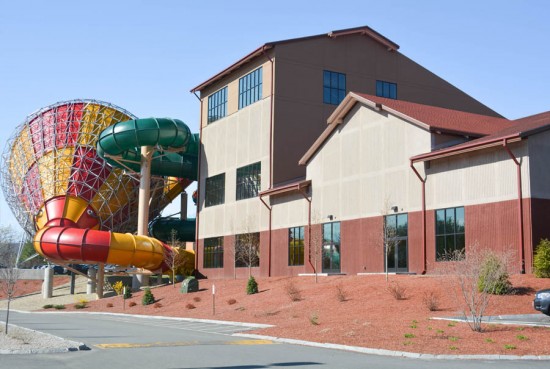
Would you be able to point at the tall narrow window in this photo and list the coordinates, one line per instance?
(386, 89)
(395, 242)
(331, 248)
(449, 232)
(249, 179)
(250, 88)
(334, 87)
(214, 193)
(213, 252)
(296, 246)
(217, 105)
(247, 250)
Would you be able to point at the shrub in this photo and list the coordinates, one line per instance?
(293, 292)
(148, 297)
(47, 306)
(127, 293)
(542, 259)
(252, 286)
(397, 291)
(493, 277)
(231, 302)
(314, 319)
(132, 303)
(109, 305)
(59, 307)
(190, 306)
(430, 300)
(118, 287)
(341, 293)
(79, 306)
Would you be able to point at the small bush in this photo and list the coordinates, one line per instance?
(293, 292)
(59, 307)
(79, 306)
(409, 335)
(118, 287)
(397, 291)
(314, 319)
(132, 303)
(541, 260)
(341, 293)
(127, 293)
(47, 306)
(197, 299)
(509, 347)
(251, 286)
(157, 305)
(493, 276)
(430, 300)
(109, 305)
(190, 306)
(148, 297)
(231, 302)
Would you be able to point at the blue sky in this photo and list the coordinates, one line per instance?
(145, 56)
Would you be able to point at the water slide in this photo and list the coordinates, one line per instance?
(62, 177)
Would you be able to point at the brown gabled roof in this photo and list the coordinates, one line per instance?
(364, 30)
(430, 118)
(518, 130)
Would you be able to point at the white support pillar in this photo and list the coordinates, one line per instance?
(47, 286)
(143, 208)
(91, 283)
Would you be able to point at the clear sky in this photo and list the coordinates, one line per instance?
(145, 56)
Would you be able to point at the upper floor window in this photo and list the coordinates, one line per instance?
(214, 193)
(334, 87)
(449, 232)
(296, 246)
(217, 105)
(249, 179)
(213, 252)
(386, 89)
(250, 88)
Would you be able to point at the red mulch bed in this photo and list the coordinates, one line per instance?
(28, 286)
(366, 315)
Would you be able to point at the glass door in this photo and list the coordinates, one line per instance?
(331, 247)
(395, 245)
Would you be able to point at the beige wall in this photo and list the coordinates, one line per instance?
(363, 168)
(539, 152)
(230, 143)
(479, 177)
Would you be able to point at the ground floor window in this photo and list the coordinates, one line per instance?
(296, 246)
(449, 232)
(213, 253)
(331, 247)
(247, 250)
(395, 242)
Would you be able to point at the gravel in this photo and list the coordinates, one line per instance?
(21, 340)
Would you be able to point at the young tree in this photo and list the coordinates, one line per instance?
(176, 258)
(9, 274)
(389, 235)
(316, 244)
(247, 251)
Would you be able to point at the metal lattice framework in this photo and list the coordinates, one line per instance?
(53, 154)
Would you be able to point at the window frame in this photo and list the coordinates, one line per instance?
(217, 103)
(213, 253)
(296, 251)
(250, 88)
(386, 89)
(248, 181)
(333, 91)
(445, 236)
(212, 198)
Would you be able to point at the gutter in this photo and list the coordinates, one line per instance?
(302, 192)
(198, 188)
(269, 208)
(520, 205)
(423, 181)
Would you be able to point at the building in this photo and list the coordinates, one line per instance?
(273, 173)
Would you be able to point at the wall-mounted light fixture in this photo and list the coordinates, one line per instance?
(330, 217)
(395, 208)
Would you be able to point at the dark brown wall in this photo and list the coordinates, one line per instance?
(300, 115)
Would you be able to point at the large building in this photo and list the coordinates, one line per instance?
(404, 153)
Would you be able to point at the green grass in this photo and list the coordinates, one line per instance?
(451, 324)
(521, 337)
(509, 347)
(409, 335)
(454, 348)
(489, 340)
(453, 339)
(440, 331)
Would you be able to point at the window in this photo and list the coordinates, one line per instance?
(250, 88)
(386, 89)
(331, 248)
(334, 87)
(395, 242)
(217, 105)
(296, 246)
(215, 190)
(247, 250)
(249, 179)
(449, 232)
(213, 252)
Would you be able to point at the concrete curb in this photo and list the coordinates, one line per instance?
(70, 345)
(383, 352)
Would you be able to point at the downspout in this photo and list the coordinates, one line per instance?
(520, 205)
(269, 208)
(198, 188)
(423, 181)
(308, 230)
(270, 157)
